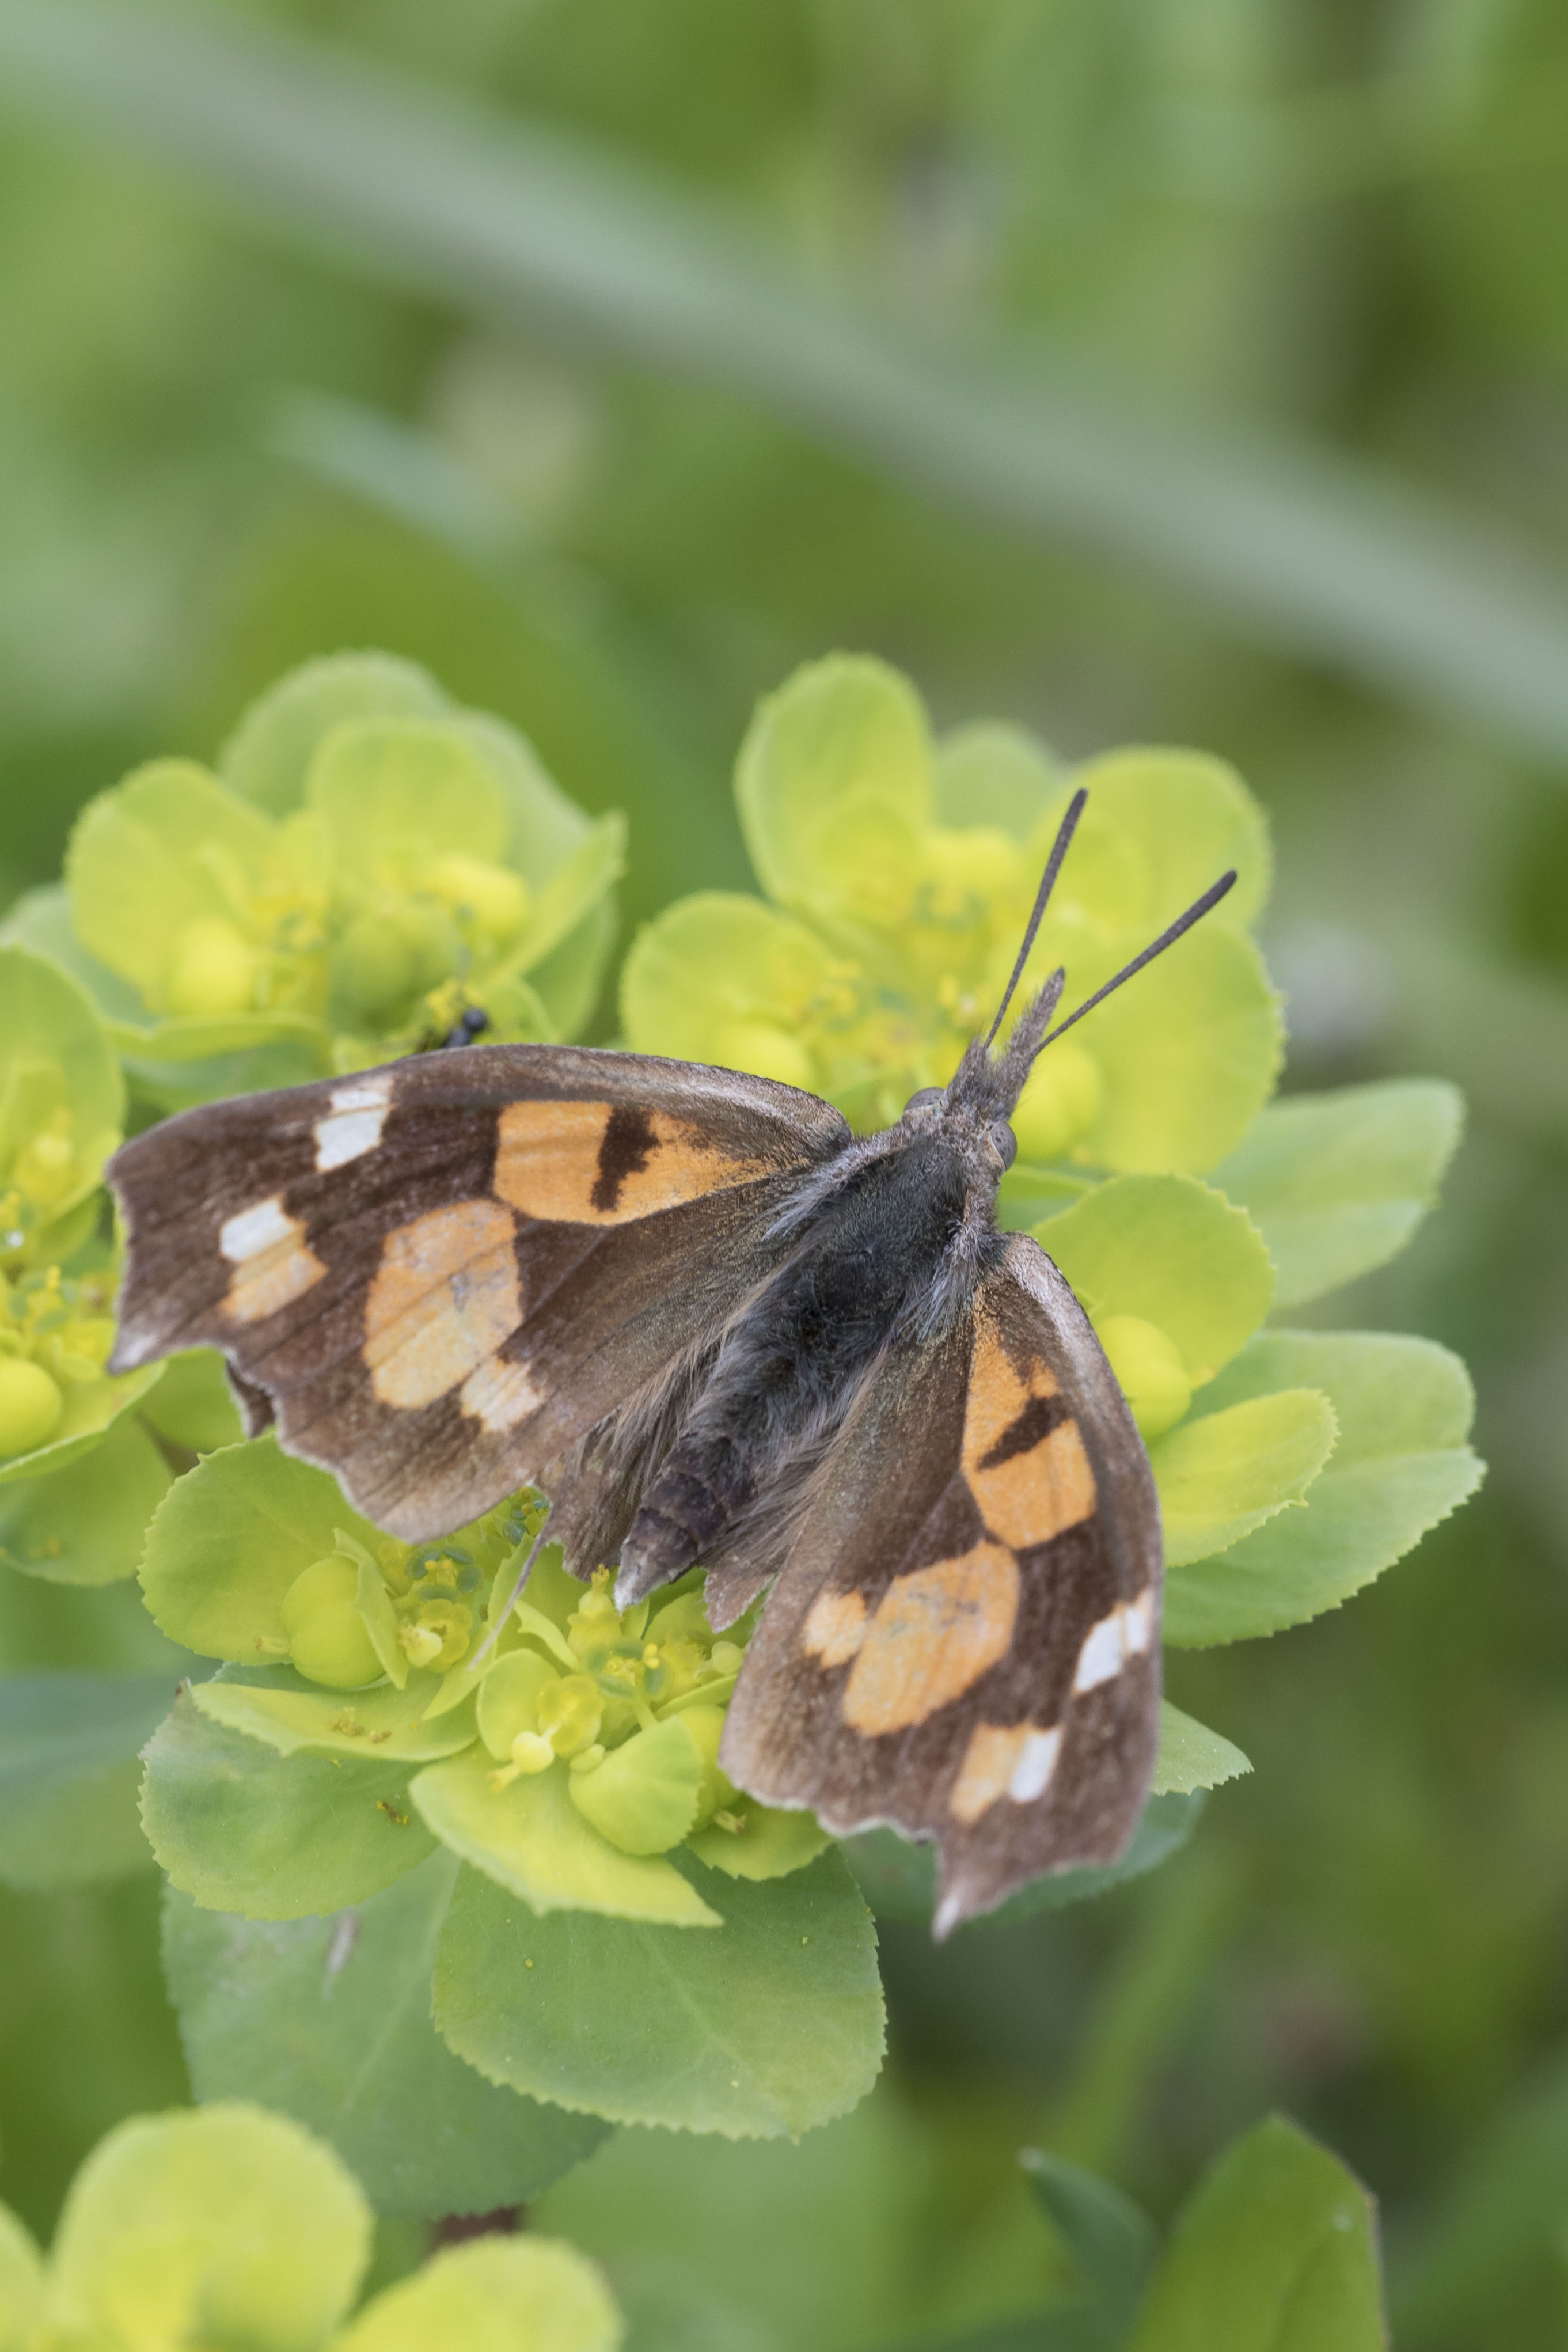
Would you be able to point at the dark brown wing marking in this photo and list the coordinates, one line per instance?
(441, 1275)
(963, 1641)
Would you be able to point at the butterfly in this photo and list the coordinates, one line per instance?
(716, 1329)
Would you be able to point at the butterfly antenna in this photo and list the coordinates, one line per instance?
(1167, 938)
(515, 1594)
(1059, 847)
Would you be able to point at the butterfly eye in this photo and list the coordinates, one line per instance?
(1006, 1143)
(923, 1097)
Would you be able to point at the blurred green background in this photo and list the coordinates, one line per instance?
(1187, 370)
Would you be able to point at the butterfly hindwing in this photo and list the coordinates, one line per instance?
(964, 1638)
(439, 1275)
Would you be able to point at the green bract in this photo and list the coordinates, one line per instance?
(562, 1750)
(235, 2227)
(367, 863)
(901, 872)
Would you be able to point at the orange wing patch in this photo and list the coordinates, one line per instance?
(599, 1163)
(1024, 1461)
(272, 1265)
(935, 1631)
(443, 1298)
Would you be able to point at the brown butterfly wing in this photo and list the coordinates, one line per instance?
(439, 1275)
(964, 1639)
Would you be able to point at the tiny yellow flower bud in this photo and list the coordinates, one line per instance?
(1061, 1102)
(492, 898)
(727, 1657)
(1148, 1365)
(531, 1752)
(328, 1638)
(213, 968)
(588, 1759)
(30, 1406)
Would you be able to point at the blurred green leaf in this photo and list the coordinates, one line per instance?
(1225, 1472)
(1338, 1182)
(69, 1775)
(21, 2284)
(193, 1404)
(1275, 2251)
(268, 755)
(762, 2028)
(1111, 2241)
(499, 2294)
(85, 1525)
(216, 2197)
(1400, 1465)
(1332, 558)
(242, 1829)
(328, 2020)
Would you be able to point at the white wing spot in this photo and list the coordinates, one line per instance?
(250, 1230)
(354, 1124)
(1035, 1766)
(1124, 1634)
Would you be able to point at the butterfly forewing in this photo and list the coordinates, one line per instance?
(439, 1275)
(964, 1641)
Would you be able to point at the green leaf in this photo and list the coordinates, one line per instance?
(1160, 826)
(833, 785)
(1222, 1473)
(1173, 1251)
(228, 2226)
(229, 1539)
(531, 1840)
(1276, 2251)
(90, 1407)
(1191, 1755)
(769, 1844)
(204, 1037)
(298, 1717)
(399, 793)
(543, 827)
(150, 858)
(643, 1797)
(328, 2020)
(21, 2284)
(1189, 1052)
(988, 773)
(54, 1057)
(1338, 1182)
(577, 884)
(268, 755)
(193, 1404)
(85, 1525)
(760, 2030)
(69, 1775)
(1113, 2241)
(899, 1879)
(723, 979)
(242, 1829)
(1403, 1408)
(498, 2294)
(40, 920)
